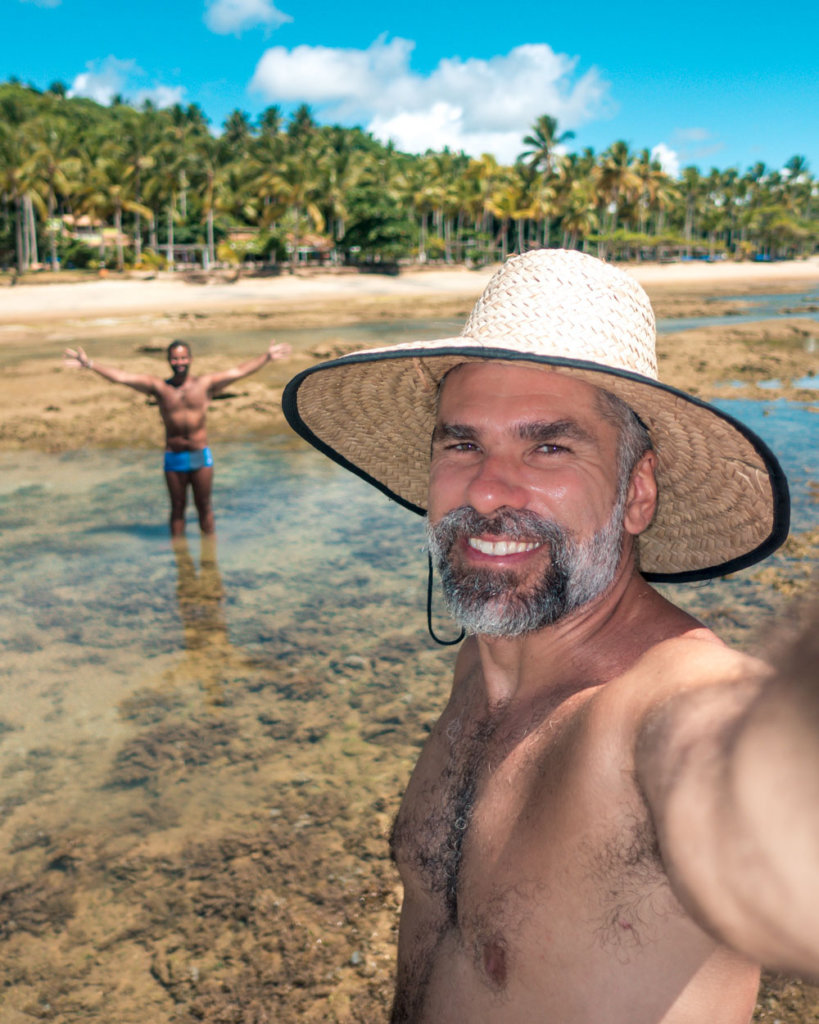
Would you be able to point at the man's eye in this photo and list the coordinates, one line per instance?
(552, 449)
(462, 446)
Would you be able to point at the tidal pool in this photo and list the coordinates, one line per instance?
(201, 746)
(754, 308)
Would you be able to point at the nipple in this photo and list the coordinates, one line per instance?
(494, 961)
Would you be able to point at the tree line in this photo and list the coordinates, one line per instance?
(272, 191)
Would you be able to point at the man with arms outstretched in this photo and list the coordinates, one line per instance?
(183, 401)
(585, 837)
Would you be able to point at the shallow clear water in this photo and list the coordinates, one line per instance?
(154, 694)
(241, 343)
(93, 585)
(757, 307)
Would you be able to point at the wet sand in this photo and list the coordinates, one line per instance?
(285, 911)
(53, 408)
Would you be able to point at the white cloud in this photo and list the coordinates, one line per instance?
(226, 16)
(161, 95)
(669, 159)
(43, 3)
(102, 80)
(321, 74)
(475, 105)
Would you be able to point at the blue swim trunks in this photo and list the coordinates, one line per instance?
(188, 462)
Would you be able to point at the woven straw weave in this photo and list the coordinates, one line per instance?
(723, 498)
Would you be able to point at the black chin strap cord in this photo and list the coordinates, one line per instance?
(437, 639)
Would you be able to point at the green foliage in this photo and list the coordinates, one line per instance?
(232, 253)
(436, 247)
(150, 260)
(269, 245)
(378, 229)
(74, 254)
(155, 174)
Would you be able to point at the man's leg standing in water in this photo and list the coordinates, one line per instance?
(202, 484)
(177, 490)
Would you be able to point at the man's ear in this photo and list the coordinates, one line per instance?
(641, 498)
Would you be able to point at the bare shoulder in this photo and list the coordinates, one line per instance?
(695, 658)
(694, 663)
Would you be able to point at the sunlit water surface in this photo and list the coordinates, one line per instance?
(752, 309)
(150, 691)
(96, 602)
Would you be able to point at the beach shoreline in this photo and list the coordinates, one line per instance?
(126, 296)
(128, 322)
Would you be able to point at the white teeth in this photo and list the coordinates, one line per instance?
(501, 547)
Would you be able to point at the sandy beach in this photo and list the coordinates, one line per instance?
(55, 408)
(136, 296)
(115, 297)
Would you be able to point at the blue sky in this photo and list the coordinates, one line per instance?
(716, 85)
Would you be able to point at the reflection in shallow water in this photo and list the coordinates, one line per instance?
(199, 759)
(201, 598)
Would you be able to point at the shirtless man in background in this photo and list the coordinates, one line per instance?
(614, 819)
(183, 401)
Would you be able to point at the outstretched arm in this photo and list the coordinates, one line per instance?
(139, 381)
(217, 381)
(731, 776)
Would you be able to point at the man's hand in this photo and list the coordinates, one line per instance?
(277, 351)
(77, 358)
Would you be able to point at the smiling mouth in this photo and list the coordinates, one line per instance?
(499, 548)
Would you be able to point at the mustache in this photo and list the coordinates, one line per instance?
(517, 524)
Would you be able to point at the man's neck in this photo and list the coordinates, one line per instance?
(588, 647)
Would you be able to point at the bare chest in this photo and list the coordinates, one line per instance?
(190, 398)
(509, 840)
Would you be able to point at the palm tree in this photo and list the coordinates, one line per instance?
(302, 127)
(162, 190)
(617, 181)
(543, 206)
(18, 172)
(174, 157)
(579, 218)
(141, 133)
(293, 188)
(652, 178)
(543, 141)
(691, 189)
(509, 202)
(798, 186)
(108, 191)
(237, 134)
(55, 169)
(208, 160)
(342, 156)
(270, 122)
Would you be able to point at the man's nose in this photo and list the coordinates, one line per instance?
(496, 483)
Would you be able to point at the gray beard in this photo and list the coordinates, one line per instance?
(490, 602)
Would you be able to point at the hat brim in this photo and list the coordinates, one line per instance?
(723, 497)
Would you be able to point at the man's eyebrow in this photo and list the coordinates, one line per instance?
(541, 431)
(544, 430)
(453, 432)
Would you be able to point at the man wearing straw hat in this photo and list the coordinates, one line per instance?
(600, 827)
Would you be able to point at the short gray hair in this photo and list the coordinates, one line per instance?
(634, 439)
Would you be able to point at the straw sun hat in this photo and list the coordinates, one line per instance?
(723, 498)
